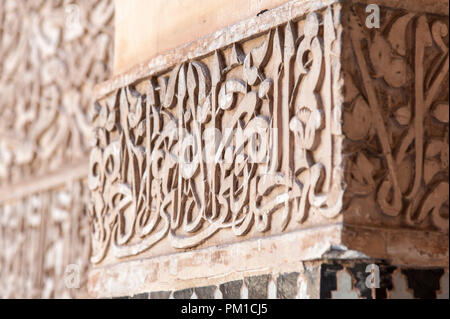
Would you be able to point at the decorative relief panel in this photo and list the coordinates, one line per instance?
(52, 53)
(40, 237)
(396, 120)
(244, 142)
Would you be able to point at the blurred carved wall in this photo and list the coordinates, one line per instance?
(52, 53)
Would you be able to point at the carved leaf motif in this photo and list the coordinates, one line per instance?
(110, 124)
(398, 73)
(265, 88)
(204, 111)
(440, 112)
(439, 30)
(251, 73)
(237, 56)
(394, 70)
(260, 54)
(228, 90)
(350, 89)
(379, 54)
(431, 167)
(403, 115)
(433, 149)
(405, 170)
(433, 204)
(204, 79)
(170, 91)
(305, 126)
(361, 120)
(397, 34)
(361, 172)
(289, 42)
(217, 68)
(182, 85)
(255, 60)
(191, 82)
(140, 130)
(136, 111)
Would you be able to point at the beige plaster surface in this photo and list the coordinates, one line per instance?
(160, 25)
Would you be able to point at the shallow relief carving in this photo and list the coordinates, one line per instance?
(52, 54)
(396, 120)
(40, 237)
(242, 143)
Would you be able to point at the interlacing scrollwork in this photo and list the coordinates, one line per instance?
(396, 117)
(52, 54)
(244, 140)
(40, 236)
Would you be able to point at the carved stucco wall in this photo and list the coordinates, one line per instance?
(396, 120)
(52, 53)
(359, 172)
(353, 139)
(286, 86)
(147, 199)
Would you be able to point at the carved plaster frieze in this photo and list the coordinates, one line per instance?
(318, 120)
(395, 120)
(45, 244)
(52, 54)
(241, 143)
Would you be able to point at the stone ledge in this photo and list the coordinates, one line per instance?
(274, 255)
(326, 280)
(224, 263)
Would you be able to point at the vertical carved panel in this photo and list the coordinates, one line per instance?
(67, 241)
(242, 143)
(396, 120)
(40, 236)
(52, 53)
